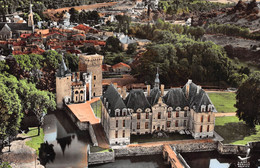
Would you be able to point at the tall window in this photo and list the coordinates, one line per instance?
(116, 123)
(138, 125)
(168, 124)
(147, 116)
(177, 114)
(208, 128)
(169, 114)
(146, 125)
(138, 116)
(176, 123)
(185, 123)
(123, 133)
(95, 77)
(116, 134)
(159, 115)
(185, 113)
(201, 119)
(201, 128)
(209, 118)
(123, 123)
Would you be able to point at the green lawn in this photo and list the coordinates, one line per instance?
(36, 140)
(96, 106)
(236, 132)
(96, 149)
(224, 102)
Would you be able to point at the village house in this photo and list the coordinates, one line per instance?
(186, 109)
(121, 68)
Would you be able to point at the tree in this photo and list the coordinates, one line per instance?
(74, 15)
(72, 61)
(248, 100)
(52, 59)
(123, 23)
(113, 44)
(131, 48)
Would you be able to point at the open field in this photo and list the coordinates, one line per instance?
(83, 7)
(224, 102)
(236, 132)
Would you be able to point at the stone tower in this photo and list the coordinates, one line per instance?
(92, 64)
(30, 18)
(63, 85)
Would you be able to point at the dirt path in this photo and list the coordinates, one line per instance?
(225, 114)
(21, 156)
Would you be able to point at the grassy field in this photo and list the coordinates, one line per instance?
(224, 102)
(96, 106)
(236, 132)
(36, 140)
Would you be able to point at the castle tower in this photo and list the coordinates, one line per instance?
(30, 18)
(157, 80)
(63, 85)
(92, 64)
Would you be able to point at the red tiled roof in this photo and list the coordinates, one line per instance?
(120, 64)
(25, 35)
(74, 51)
(82, 27)
(105, 67)
(79, 35)
(36, 50)
(51, 33)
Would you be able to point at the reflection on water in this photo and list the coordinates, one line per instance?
(69, 143)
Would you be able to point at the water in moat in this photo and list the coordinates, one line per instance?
(69, 145)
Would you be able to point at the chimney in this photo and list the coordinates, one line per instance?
(124, 92)
(148, 89)
(162, 90)
(198, 89)
(115, 85)
(119, 91)
(78, 76)
(73, 77)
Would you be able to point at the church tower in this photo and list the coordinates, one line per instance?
(30, 18)
(63, 84)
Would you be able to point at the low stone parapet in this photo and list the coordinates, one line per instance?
(101, 157)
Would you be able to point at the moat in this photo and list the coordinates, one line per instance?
(70, 145)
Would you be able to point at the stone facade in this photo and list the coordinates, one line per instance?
(72, 87)
(180, 109)
(93, 64)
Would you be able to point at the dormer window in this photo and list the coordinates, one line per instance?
(210, 107)
(124, 112)
(170, 109)
(203, 108)
(139, 110)
(178, 108)
(117, 112)
(186, 108)
(147, 110)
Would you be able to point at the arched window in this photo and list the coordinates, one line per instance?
(209, 118)
(201, 128)
(201, 118)
(76, 92)
(81, 91)
(208, 128)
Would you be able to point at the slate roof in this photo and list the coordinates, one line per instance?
(16, 26)
(154, 96)
(136, 99)
(175, 98)
(114, 100)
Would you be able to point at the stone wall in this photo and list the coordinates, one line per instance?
(138, 151)
(101, 157)
(195, 146)
(231, 149)
(92, 135)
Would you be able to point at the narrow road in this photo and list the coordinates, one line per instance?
(225, 114)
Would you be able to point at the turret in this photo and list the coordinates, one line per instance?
(157, 80)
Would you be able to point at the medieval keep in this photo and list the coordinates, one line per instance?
(78, 87)
(180, 109)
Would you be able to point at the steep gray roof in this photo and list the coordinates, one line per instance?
(196, 96)
(175, 98)
(114, 100)
(63, 70)
(136, 99)
(154, 96)
(16, 26)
